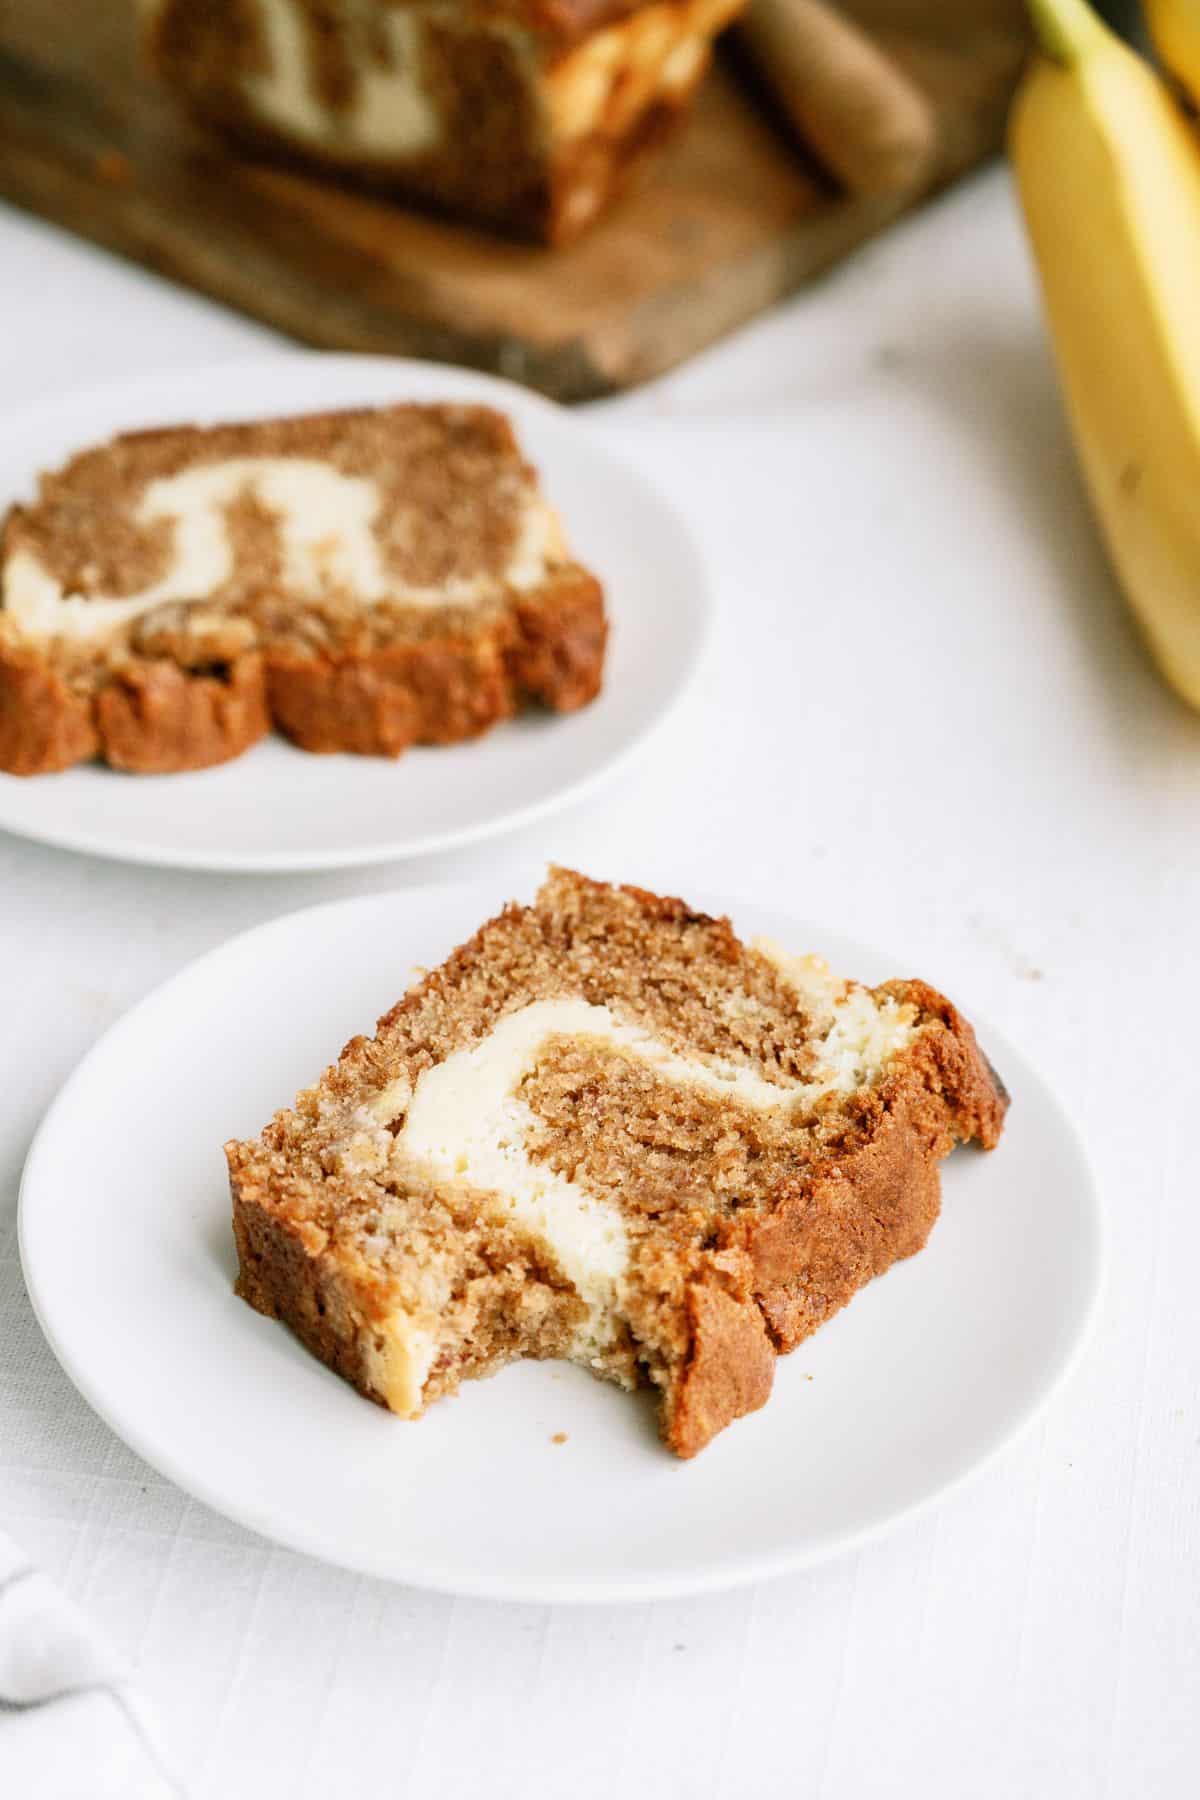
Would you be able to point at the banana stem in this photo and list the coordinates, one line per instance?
(1066, 29)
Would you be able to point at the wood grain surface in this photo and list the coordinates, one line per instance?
(727, 220)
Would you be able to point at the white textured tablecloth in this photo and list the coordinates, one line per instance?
(927, 721)
(71, 1723)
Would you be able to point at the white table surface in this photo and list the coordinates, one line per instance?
(927, 721)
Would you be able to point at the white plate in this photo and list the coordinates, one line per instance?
(126, 1244)
(277, 808)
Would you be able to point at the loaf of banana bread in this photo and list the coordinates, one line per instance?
(523, 114)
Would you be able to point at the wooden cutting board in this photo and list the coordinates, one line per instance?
(719, 227)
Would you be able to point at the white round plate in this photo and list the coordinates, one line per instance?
(126, 1245)
(278, 808)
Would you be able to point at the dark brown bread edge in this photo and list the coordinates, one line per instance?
(858, 1212)
(154, 717)
(783, 1275)
(729, 1372)
(850, 1218)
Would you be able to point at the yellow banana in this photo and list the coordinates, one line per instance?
(1109, 177)
(1175, 29)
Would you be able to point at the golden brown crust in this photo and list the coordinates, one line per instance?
(876, 1199)
(45, 726)
(155, 717)
(380, 704)
(557, 657)
(848, 1221)
(151, 717)
(729, 1370)
(443, 690)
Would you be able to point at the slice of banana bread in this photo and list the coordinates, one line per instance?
(608, 1131)
(520, 113)
(365, 580)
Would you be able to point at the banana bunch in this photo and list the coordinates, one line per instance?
(1108, 169)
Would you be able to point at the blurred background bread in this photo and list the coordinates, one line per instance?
(522, 114)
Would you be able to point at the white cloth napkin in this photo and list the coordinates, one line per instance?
(71, 1726)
